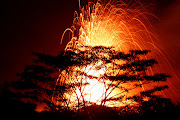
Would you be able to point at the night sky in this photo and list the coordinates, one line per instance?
(37, 25)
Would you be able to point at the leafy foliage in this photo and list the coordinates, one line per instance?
(45, 80)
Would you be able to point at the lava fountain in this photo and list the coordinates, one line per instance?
(110, 25)
(116, 25)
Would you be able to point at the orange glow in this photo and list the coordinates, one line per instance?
(94, 91)
(109, 25)
(106, 25)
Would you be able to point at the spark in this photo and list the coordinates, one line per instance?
(110, 25)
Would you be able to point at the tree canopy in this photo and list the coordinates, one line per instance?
(54, 79)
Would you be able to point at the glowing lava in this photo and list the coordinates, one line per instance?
(109, 25)
(93, 92)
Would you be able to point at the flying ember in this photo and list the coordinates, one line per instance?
(114, 27)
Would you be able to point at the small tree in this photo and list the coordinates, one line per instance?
(37, 82)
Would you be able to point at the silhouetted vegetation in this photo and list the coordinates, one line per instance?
(44, 82)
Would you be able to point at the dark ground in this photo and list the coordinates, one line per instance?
(157, 109)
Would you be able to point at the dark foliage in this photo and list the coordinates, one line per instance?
(38, 84)
(156, 108)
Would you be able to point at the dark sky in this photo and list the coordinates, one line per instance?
(31, 26)
(37, 25)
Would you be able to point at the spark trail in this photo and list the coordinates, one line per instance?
(117, 25)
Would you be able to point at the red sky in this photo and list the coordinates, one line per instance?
(169, 40)
(37, 25)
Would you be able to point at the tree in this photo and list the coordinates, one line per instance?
(61, 81)
(118, 69)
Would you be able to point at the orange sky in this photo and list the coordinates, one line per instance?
(36, 26)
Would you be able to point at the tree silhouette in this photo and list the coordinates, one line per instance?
(120, 69)
(59, 81)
